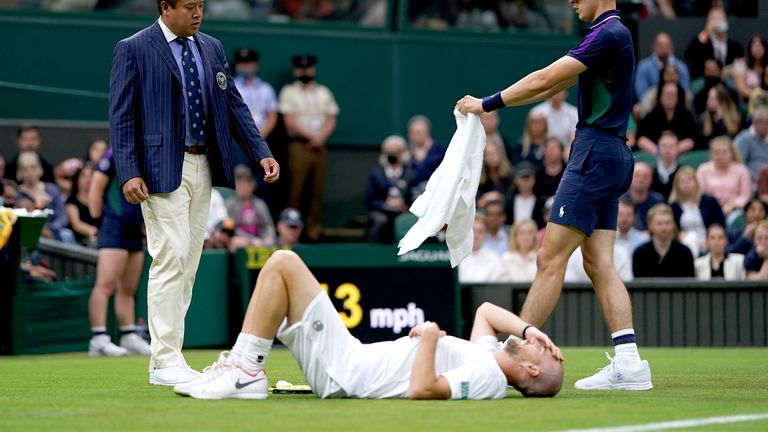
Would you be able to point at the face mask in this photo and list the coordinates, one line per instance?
(392, 159)
(306, 78)
(245, 74)
(710, 82)
(720, 26)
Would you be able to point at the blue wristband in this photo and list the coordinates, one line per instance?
(492, 103)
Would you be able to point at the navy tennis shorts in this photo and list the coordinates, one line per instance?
(116, 234)
(599, 171)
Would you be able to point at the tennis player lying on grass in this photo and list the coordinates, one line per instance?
(289, 303)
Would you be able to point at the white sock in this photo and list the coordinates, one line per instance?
(240, 345)
(98, 331)
(625, 352)
(254, 352)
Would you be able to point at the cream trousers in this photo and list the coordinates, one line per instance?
(175, 224)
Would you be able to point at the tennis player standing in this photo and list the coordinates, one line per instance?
(599, 170)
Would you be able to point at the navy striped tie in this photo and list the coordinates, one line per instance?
(196, 108)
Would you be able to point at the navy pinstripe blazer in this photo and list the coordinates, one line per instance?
(146, 113)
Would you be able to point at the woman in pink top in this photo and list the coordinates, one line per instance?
(725, 177)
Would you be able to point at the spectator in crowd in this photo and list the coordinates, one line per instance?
(748, 71)
(34, 193)
(83, 225)
(258, 94)
(759, 96)
(389, 184)
(119, 266)
(641, 195)
(9, 192)
(647, 74)
(479, 265)
(762, 183)
(253, 222)
(221, 235)
(518, 263)
(490, 122)
(741, 240)
(96, 151)
(309, 111)
(531, 145)
(752, 143)
(561, 118)
(649, 100)
(694, 211)
(725, 178)
(426, 152)
(628, 237)
(64, 175)
(497, 171)
(721, 117)
(669, 114)
(548, 178)
(712, 42)
(755, 262)
(28, 139)
(497, 233)
(663, 255)
(713, 77)
(719, 264)
(289, 228)
(523, 204)
(666, 164)
(217, 211)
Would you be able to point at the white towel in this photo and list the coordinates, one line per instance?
(450, 194)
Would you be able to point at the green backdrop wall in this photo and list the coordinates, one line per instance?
(380, 78)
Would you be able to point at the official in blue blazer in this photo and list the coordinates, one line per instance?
(173, 111)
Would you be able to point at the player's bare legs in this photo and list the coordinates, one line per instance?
(284, 289)
(627, 370)
(609, 288)
(559, 243)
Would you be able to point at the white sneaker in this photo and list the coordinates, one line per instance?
(173, 375)
(135, 344)
(618, 376)
(233, 383)
(102, 345)
(224, 362)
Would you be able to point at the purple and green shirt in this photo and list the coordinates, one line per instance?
(605, 88)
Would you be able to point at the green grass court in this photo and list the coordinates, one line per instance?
(74, 392)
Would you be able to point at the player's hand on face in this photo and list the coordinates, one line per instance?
(469, 104)
(535, 335)
(271, 170)
(135, 190)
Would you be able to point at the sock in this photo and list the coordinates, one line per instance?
(625, 346)
(253, 351)
(98, 331)
(240, 344)
(128, 329)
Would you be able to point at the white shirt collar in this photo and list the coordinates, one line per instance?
(169, 35)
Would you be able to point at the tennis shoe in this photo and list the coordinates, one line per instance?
(210, 373)
(619, 376)
(233, 383)
(102, 345)
(172, 375)
(134, 344)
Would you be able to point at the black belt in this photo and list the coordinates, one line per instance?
(196, 150)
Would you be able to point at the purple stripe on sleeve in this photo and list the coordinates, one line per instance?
(579, 50)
